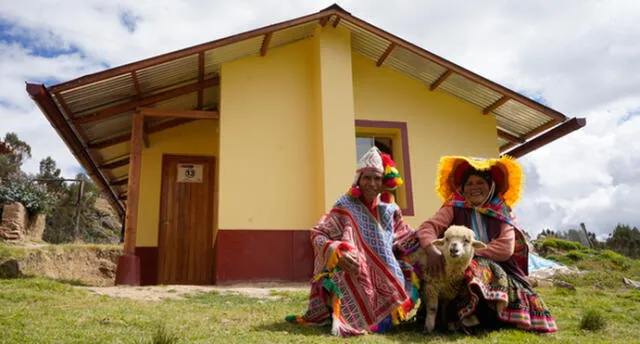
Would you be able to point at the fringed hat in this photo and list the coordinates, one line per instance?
(377, 161)
(505, 172)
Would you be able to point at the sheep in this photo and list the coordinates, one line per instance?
(457, 246)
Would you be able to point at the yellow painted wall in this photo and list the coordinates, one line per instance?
(268, 156)
(336, 109)
(194, 138)
(437, 123)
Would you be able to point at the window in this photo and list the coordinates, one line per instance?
(391, 138)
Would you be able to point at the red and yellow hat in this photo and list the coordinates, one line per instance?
(506, 172)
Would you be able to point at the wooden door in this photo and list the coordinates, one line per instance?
(185, 241)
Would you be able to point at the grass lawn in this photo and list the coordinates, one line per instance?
(37, 310)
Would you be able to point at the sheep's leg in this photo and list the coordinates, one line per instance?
(432, 310)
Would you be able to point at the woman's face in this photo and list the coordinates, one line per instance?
(475, 190)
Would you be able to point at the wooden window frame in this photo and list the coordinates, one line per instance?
(399, 135)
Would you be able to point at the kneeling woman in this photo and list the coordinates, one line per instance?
(479, 194)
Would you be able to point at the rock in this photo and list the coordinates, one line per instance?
(565, 285)
(35, 227)
(10, 269)
(12, 224)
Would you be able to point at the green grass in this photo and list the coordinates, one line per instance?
(8, 251)
(36, 310)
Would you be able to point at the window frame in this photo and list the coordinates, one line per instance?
(397, 131)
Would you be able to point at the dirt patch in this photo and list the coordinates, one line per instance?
(87, 264)
(177, 292)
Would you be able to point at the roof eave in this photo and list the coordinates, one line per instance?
(42, 97)
(547, 137)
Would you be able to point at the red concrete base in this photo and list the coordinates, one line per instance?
(128, 270)
(263, 255)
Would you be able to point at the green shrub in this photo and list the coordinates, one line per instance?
(561, 244)
(21, 189)
(616, 258)
(593, 320)
(575, 255)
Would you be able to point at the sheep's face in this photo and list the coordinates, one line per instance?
(458, 243)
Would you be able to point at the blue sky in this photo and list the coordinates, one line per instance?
(578, 56)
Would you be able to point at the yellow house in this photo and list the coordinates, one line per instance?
(223, 155)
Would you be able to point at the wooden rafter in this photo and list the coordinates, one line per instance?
(130, 106)
(489, 109)
(115, 163)
(324, 21)
(200, 78)
(506, 136)
(193, 114)
(440, 80)
(386, 54)
(126, 136)
(265, 43)
(336, 22)
(119, 182)
(136, 84)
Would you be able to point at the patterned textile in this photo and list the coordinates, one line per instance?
(507, 297)
(383, 292)
(496, 208)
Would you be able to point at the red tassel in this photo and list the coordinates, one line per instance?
(390, 183)
(387, 161)
(386, 197)
(354, 192)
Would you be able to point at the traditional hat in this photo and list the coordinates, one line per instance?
(375, 160)
(505, 172)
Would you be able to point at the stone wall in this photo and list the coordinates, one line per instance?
(16, 224)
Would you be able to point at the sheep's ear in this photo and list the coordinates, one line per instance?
(478, 244)
(438, 242)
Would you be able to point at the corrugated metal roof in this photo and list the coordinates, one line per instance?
(469, 91)
(165, 75)
(413, 65)
(103, 93)
(216, 57)
(365, 43)
(293, 34)
(112, 126)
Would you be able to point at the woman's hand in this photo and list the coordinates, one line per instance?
(435, 261)
(349, 263)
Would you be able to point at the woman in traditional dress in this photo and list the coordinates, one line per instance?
(479, 194)
(362, 282)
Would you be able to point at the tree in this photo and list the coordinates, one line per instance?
(546, 233)
(93, 226)
(11, 163)
(49, 175)
(625, 240)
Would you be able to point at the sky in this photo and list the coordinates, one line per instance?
(580, 57)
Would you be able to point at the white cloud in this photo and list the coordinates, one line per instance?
(580, 56)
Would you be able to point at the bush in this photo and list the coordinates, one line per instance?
(561, 244)
(20, 188)
(575, 255)
(593, 320)
(614, 257)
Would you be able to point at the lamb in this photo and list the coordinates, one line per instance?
(457, 246)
